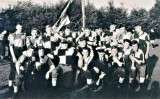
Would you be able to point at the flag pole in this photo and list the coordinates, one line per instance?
(83, 14)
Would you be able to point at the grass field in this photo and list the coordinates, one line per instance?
(152, 92)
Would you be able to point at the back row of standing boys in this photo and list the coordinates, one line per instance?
(88, 59)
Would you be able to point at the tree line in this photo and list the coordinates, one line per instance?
(34, 15)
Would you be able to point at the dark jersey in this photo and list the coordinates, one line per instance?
(28, 63)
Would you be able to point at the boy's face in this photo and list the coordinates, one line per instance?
(19, 27)
(126, 45)
(34, 33)
(85, 52)
(48, 30)
(87, 32)
(101, 54)
(135, 47)
(114, 52)
(98, 31)
(137, 28)
(123, 29)
(41, 52)
(106, 38)
(112, 27)
(74, 34)
(30, 52)
(67, 32)
(82, 43)
(70, 39)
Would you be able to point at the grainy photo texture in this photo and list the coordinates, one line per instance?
(79, 49)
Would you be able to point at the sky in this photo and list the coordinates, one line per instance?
(128, 4)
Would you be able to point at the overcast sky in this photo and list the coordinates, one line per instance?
(129, 4)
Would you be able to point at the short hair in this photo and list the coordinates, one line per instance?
(120, 25)
(83, 39)
(114, 47)
(86, 48)
(135, 42)
(31, 47)
(127, 40)
(64, 42)
(18, 24)
(34, 29)
(107, 34)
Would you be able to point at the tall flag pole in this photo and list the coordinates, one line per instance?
(83, 14)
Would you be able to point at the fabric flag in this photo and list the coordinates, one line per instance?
(64, 18)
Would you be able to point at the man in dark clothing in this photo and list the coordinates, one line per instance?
(2, 44)
(152, 37)
(25, 67)
(99, 69)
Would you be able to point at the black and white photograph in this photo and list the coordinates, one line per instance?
(79, 49)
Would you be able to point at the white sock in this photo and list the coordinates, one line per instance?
(89, 81)
(142, 79)
(147, 76)
(10, 83)
(130, 79)
(54, 81)
(121, 80)
(15, 89)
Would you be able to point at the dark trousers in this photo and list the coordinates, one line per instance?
(18, 53)
(2, 48)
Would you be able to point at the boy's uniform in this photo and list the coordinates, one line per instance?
(141, 67)
(49, 43)
(67, 59)
(117, 70)
(2, 45)
(143, 38)
(27, 66)
(32, 41)
(128, 62)
(17, 42)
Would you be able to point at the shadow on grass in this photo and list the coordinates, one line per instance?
(154, 92)
(152, 63)
(156, 45)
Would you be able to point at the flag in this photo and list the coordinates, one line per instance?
(63, 18)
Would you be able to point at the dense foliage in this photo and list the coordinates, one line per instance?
(34, 15)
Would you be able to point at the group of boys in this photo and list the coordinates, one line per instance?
(89, 59)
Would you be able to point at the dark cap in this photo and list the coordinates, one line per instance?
(83, 39)
(127, 40)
